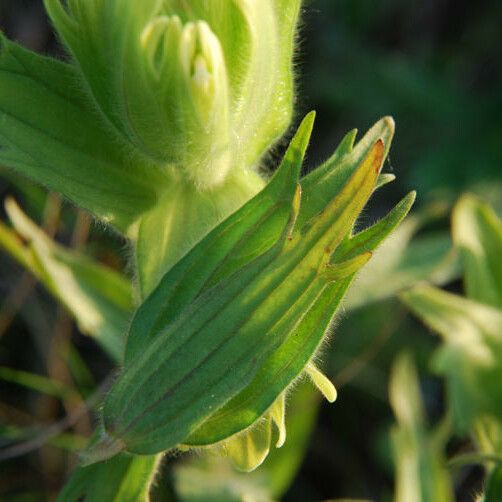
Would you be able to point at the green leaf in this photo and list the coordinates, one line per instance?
(237, 242)
(99, 298)
(471, 352)
(122, 479)
(51, 134)
(477, 232)
(420, 472)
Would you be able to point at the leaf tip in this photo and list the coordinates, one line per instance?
(408, 201)
(304, 131)
(310, 117)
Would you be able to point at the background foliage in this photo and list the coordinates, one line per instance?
(434, 66)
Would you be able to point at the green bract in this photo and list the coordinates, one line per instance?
(241, 316)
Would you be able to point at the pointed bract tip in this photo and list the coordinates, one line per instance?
(389, 123)
(406, 203)
(305, 128)
(17, 217)
(310, 116)
(9, 203)
(291, 164)
(386, 178)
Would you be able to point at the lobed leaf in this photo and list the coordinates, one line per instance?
(236, 241)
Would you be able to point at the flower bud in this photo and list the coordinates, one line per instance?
(194, 92)
(187, 64)
(204, 87)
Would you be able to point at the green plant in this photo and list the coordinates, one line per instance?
(471, 330)
(157, 127)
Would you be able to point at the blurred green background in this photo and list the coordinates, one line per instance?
(436, 67)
